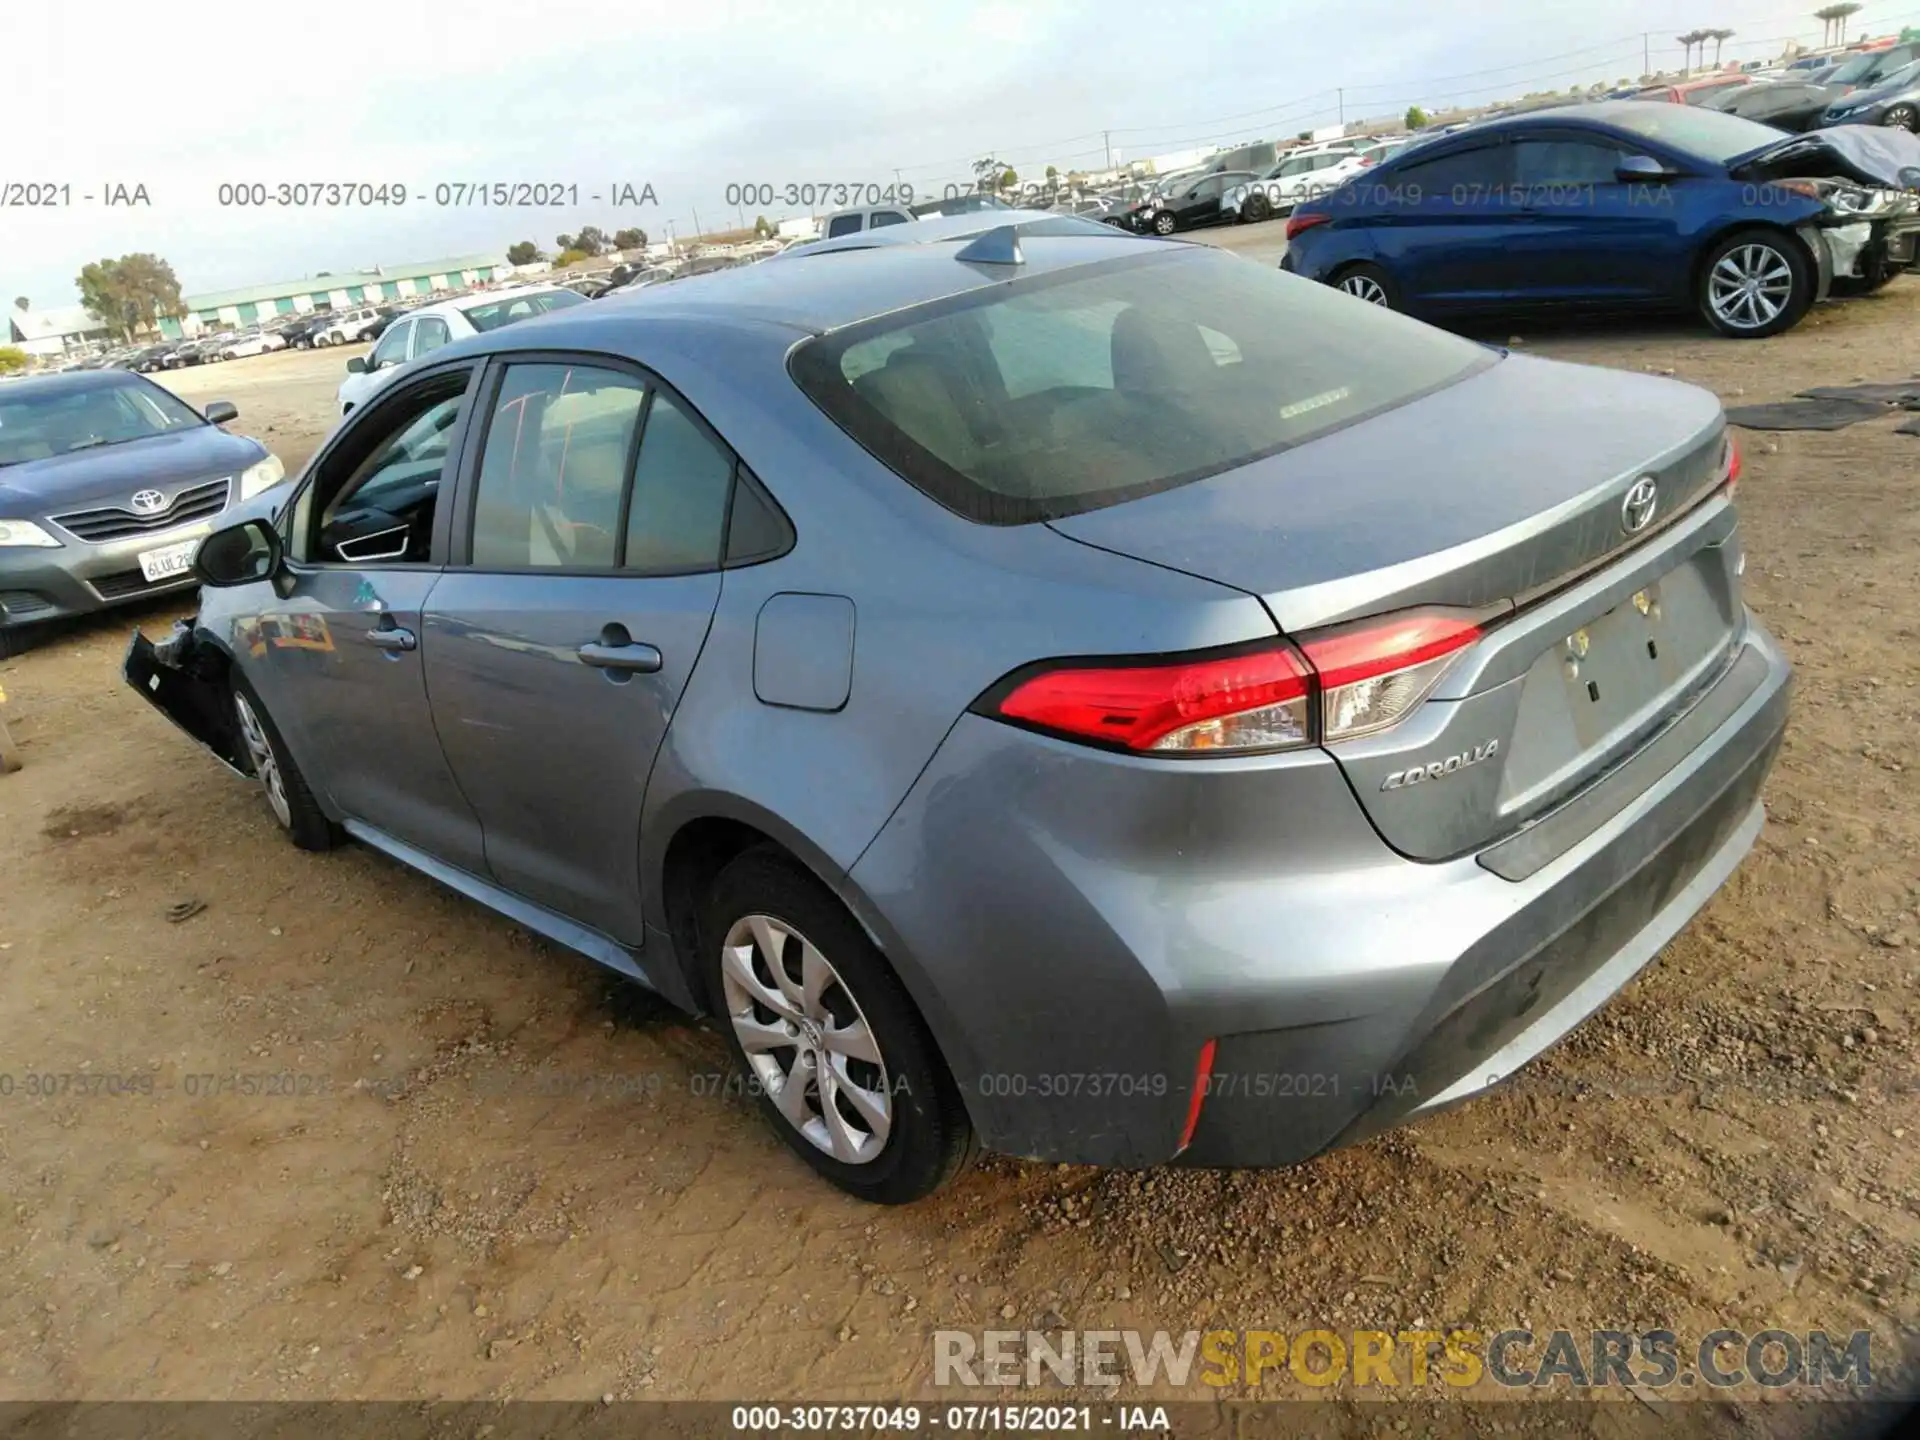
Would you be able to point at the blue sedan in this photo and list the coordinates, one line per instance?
(1618, 205)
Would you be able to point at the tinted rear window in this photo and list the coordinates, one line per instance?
(1070, 391)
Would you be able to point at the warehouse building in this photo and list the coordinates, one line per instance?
(246, 306)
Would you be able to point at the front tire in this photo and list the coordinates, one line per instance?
(1255, 208)
(1902, 117)
(1369, 283)
(1164, 223)
(1755, 283)
(288, 797)
(835, 1054)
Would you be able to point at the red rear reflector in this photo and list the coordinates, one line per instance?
(1139, 705)
(1297, 222)
(1734, 465)
(1202, 1075)
(1350, 656)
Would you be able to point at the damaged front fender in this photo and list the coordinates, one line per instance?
(184, 677)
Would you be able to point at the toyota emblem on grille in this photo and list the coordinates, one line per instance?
(1636, 510)
(149, 502)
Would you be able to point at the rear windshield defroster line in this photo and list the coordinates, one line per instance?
(1066, 391)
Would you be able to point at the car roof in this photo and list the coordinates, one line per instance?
(67, 381)
(479, 297)
(841, 282)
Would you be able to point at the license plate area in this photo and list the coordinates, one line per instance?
(1608, 684)
(168, 562)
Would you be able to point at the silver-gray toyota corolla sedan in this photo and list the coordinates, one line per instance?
(1087, 697)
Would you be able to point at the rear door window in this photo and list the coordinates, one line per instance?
(843, 225)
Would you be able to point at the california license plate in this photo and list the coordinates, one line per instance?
(168, 562)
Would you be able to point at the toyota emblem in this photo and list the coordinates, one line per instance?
(149, 502)
(1636, 510)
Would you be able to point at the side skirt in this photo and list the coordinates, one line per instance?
(537, 918)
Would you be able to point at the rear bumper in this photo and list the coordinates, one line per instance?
(1077, 926)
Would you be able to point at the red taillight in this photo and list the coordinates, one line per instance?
(1256, 699)
(1352, 681)
(1372, 674)
(1297, 222)
(1202, 1077)
(1733, 465)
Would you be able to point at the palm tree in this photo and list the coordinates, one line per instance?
(1719, 37)
(1834, 18)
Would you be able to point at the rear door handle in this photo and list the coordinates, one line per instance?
(635, 657)
(393, 639)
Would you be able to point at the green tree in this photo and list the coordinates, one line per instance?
(631, 238)
(130, 294)
(522, 252)
(591, 239)
(763, 227)
(1008, 179)
(1416, 118)
(20, 302)
(571, 256)
(563, 242)
(1052, 174)
(13, 360)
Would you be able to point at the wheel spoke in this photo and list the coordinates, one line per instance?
(772, 939)
(854, 1041)
(873, 1109)
(737, 963)
(816, 976)
(790, 1099)
(757, 1038)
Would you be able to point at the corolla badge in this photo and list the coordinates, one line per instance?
(148, 502)
(1452, 765)
(1638, 505)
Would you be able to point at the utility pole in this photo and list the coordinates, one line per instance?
(1343, 107)
(1646, 54)
(1106, 139)
(697, 231)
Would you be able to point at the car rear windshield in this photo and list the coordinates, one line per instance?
(1070, 391)
(505, 311)
(36, 425)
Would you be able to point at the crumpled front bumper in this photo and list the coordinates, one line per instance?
(185, 679)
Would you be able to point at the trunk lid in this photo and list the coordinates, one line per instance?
(1505, 495)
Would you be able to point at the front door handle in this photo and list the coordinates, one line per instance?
(632, 657)
(394, 639)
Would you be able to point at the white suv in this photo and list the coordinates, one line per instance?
(348, 327)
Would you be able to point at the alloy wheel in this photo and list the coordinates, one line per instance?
(1365, 287)
(1163, 223)
(805, 1038)
(1901, 117)
(265, 766)
(1750, 286)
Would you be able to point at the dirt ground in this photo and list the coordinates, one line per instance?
(506, 1175)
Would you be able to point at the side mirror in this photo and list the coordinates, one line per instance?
(219, 412)
(357, 365)
(1641, 169)
(238, 555)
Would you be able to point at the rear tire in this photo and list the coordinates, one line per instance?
(289, 799)
(894, 1129)
(1901, 117)
(1369, 283)
(1755, 283)
(1256, 208)
(1164, 223)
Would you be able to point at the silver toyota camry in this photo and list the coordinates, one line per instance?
(1035, 688)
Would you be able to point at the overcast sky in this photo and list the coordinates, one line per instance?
(692, 96)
